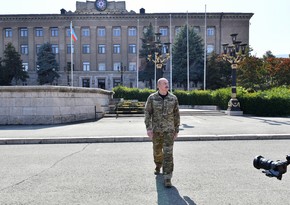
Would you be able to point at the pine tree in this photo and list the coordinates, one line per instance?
(179, 59)
(11, 67)
(47, 65)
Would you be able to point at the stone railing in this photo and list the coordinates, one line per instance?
(51, 104)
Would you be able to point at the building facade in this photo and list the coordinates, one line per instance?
(107, 49)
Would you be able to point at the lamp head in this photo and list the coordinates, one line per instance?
(234, 37)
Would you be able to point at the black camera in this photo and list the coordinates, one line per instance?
(272, 168)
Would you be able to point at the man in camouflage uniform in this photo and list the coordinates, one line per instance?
(162, 121)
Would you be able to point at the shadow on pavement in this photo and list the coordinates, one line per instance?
(170, 196)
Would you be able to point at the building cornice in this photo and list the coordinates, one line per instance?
(73, 16)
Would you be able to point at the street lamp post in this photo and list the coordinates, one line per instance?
(159, 59)
(234, 54)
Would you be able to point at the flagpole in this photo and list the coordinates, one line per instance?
(170, 30)
(71, 55)
(205, 47)
(155, 75)
(137, 53)
(187, 53)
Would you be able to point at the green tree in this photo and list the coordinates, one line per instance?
(11, 67)
(218, 72)
(47, 65)
(147, 70)
(278, 70)
(179, 59)
(251, 74)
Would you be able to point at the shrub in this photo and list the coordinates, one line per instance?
(273, 102)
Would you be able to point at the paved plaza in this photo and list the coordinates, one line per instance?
(195, 126)
(109, 161)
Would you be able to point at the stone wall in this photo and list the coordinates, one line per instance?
(51, 104)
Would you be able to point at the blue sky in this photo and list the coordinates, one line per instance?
(269, 29)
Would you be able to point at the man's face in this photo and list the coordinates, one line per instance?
(163, 86)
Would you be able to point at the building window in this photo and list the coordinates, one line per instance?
(25, 66)
(132, 31)
(101, 49)
(101, 31)
(163, 31)
(196, 29)
(86, 49)
(54, 48)
(102, 66)
(23, 32)
(209, 48)
(117, 31)
(132, 66)
(86, 66)
(210, 31)
(8, 33)
(38, 48)
(24, 49)
(86, 32)
(177, 30)
(39, 32)
(116, 48)
(132, 48)
(54, 32)
(117, 66)
(69, 48)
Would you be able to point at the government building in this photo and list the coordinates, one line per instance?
(106, 52)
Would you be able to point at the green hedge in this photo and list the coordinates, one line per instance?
(274, 102)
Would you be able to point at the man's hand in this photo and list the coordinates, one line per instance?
(150, 134)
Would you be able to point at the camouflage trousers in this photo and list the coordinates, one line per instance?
(163, 152)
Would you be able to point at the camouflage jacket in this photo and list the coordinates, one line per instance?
(162, 115)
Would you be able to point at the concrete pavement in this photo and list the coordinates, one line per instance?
(196, 125)
(205, 173)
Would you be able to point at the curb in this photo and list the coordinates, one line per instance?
(119, 139)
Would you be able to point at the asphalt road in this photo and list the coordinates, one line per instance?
(206, 173)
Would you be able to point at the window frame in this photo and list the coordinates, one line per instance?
(86, 66)
(39, 32)
(101, 49)
(117, 31)
(54, 31)
(86, 31)
(101, 31)
(24, 49)
(23, 32)
(116, 49)
(8, 33)
(132, 31)
(86, 49)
